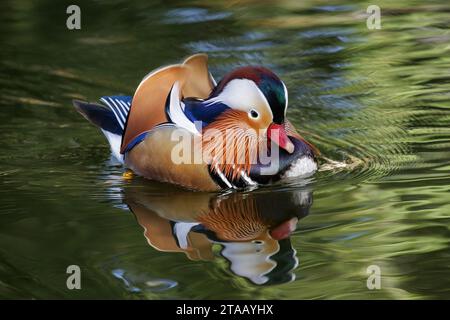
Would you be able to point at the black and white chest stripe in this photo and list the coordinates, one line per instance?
(242, 182)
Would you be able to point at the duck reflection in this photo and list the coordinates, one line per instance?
(252, 229)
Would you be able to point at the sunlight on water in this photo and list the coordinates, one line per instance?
(375, 102)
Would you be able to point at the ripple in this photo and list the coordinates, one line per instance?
(137, 283)
(193, 15)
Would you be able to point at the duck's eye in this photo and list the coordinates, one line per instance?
(254, 114)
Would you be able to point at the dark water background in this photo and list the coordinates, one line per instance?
(377, 100)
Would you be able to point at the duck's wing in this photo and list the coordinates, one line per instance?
(200, 82)
(109, 116)
(148, 105)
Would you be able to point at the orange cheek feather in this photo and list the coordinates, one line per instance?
(230, 143)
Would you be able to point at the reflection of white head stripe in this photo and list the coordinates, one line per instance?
(250, 260)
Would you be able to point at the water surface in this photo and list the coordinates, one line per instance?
(374, 100)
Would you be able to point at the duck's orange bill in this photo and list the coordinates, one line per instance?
(277, 134)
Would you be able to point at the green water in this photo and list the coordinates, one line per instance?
(377, 100)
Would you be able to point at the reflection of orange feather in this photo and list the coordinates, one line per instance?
(234, 220)
(230, 143)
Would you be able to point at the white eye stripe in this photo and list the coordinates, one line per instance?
(243, 94)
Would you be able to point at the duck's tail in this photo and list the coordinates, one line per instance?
(110, 117)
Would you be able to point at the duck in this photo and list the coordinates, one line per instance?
(184, 128)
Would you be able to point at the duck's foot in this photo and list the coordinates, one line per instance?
(128, 175)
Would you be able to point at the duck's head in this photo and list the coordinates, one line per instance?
(244, 113)
(257, 97)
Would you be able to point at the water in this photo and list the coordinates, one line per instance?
(375, 101)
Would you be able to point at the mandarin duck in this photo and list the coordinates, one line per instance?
(248, 107)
